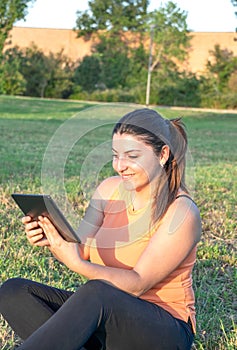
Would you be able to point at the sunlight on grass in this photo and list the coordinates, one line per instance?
(27, 125)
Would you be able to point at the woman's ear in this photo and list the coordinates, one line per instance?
(164, 155)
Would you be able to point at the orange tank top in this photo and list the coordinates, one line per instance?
(121, 240)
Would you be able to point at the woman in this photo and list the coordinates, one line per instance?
(139, 239)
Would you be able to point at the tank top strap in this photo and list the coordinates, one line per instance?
(187, 196)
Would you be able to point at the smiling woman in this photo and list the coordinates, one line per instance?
(139, 238)
(162, 144)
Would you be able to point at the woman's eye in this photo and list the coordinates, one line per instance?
(115, 156)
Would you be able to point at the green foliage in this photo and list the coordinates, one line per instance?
(46, 76)
(112, 15)
(10, 11)
(36, 70)
(171, 40)
(234, 2)
(232, 82)
(12, 81)
(181, 89)
(222, 65)
(114, 61)
(87, 74)
(218, 87)
(138, 67)
(107, 95)
(121, 27)
(60, 83)
(110, 21)
(116, 71)
(110, 67)
(32, 73)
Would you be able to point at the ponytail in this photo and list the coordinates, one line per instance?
(177, 159)
(173, 176)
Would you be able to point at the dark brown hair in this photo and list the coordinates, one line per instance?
(151, 128)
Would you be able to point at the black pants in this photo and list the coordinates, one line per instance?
(97, 316)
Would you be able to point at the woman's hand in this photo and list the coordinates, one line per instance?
(34, 232)
(66, 252)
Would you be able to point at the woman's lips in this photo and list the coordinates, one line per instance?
(127, 176)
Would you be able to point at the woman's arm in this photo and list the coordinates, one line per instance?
(170, 245)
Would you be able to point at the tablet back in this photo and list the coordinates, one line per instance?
(35, 205)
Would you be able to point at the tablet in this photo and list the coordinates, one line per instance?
(35, 205)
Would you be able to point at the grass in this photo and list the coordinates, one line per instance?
(26, 129)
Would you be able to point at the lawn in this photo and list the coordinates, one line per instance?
(45, 139)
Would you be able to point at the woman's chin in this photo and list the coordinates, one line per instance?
(129, 185)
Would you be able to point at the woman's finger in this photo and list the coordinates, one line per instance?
(35, 238)
(39, 240)
(42, 242)
(49, 229)
(26, 219)
(31, 226)
(32, 233)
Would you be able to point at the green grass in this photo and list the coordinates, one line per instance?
(26, 128)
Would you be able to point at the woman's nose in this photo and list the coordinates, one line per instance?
(121, 164)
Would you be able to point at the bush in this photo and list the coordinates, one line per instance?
(108, 95)
(87, 74)
(30, 72)
(219, 100)
(12, 82)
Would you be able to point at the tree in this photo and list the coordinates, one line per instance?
(10, 11)
(178, 89)
(234, 2)
(12, 81)
(232, 83)
(60, 72)
(122, 30)
(114, 62)
(171, 39)
(87, 74)
(32, 73)
(112, 15)
(168, 31)
(217, 87)
(221, 67)
(138, 67)
(112, 22)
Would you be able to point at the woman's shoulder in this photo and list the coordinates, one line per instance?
(185, 201)
(107, 187)
(184, 204)
(183, 208)
(183, 214)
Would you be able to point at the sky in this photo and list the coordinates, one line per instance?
(203, 15)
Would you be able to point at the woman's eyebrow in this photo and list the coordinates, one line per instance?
(129, 151)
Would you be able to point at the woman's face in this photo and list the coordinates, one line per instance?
(134, 161)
